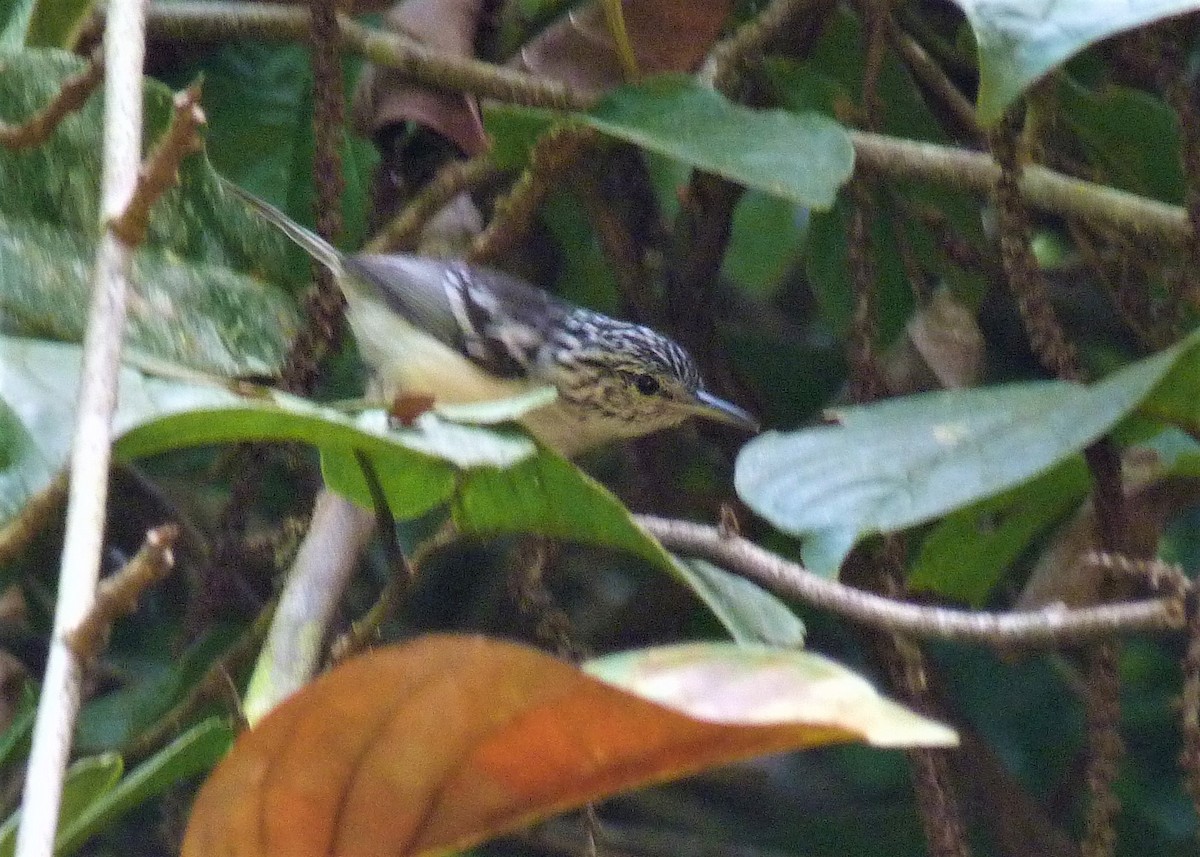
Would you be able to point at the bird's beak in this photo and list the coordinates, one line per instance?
(710, 407)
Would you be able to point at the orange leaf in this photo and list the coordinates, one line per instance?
(448, 740)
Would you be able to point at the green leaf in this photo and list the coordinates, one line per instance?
(967, 553)
(802, 158)
(14, 742)
(1130, 135)
(14, 23)
(115, 719)
(201, 296)
(750, 613)
(905, 461)
(56, 23)
(87, 781)
(1020, 41)
(157, 415)
(547, 495)
(191, 753)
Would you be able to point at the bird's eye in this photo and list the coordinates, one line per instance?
(647, 385)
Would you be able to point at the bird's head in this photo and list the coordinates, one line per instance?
(631, 378)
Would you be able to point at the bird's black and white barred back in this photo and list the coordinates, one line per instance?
(459, 333)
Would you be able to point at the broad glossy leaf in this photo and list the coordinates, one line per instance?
(802, 158)
(158, 414)
(475, 737)
(209, 277)
(905, 461)
(498, 482)
(1020, 41)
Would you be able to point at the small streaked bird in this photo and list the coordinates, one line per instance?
(457, 333)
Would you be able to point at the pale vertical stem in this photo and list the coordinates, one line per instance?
(124, 46)
(329, 553)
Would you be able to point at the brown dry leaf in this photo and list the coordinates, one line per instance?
(449, 740)
(942, 348)
(666, 35)
(1152, 500)
(384, 96)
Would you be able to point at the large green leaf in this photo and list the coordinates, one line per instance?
(905, 461)
(802, 158)
(1020, 41)
(197, 302)
(14, 22)
(498, 481)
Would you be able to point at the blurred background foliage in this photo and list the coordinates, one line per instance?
(773, 328)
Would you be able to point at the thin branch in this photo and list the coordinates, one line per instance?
(222, 21)
(314, 586)
(58, 706)
(404, 230)
(34, 516)
(74, 93)
(1050, 626)
(118, 595)
(959, 112)
(1040, 187)
(161, 169)
(401, 572)
(552, 156)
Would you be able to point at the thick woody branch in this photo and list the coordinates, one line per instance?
(1051, 626)
(888, 157)
(75, 92)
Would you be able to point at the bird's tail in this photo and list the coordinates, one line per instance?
(308, 241)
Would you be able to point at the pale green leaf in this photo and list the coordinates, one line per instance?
(1020, 41)
(905, 461)
(804, 158)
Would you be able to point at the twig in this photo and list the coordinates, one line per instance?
(366, 628)
(161, 169)
(58, 707)
(400, 571)
(118, 595)
(73, 94)
(731, 58)
(223, 21)
(403, 231)
(552, 156)
(959, 112)
(314, 586)
(32, 519)
(1049, 627)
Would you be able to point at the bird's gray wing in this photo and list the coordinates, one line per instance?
(494, 319)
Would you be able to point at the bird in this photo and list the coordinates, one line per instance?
(449, 332)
